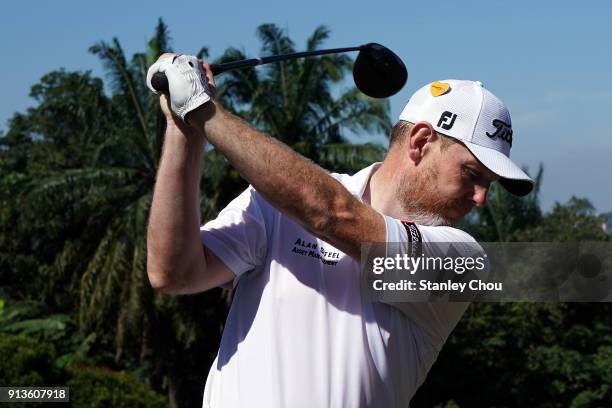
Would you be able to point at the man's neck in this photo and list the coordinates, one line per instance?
(380, 192)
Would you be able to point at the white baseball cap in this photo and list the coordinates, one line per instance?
(466, 111)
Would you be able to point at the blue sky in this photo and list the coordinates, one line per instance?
(550, 62)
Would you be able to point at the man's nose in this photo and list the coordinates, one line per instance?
(480, 195)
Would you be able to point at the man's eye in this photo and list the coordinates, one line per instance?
(471, 173)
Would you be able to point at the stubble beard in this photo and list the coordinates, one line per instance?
(421, 202)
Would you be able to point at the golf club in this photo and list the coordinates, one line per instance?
(377, 71)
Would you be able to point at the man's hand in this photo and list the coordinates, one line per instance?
(187, 82)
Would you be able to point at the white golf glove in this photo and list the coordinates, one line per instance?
(187, 83)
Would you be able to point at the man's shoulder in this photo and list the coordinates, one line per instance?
(250, 202)
(416, 232)
(356, 183)
(444, 233)
(437, 238)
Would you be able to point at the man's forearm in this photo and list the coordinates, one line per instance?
(173, 233)
(294, 185)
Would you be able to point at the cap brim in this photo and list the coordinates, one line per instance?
(512, 177)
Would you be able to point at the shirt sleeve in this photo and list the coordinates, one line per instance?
(239, 235)
(437, 319)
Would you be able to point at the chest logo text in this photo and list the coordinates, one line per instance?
(314, 250)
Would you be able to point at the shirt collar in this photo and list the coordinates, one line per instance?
(359, 181)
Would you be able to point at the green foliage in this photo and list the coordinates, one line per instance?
(95, 387)
(77, 176)
(536, 355)
(28, 318)
(575, 221)
(23, 318)
(29, 362)
(26, 362)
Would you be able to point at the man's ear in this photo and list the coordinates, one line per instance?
(421, 136)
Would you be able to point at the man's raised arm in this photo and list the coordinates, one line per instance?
(293, 184)
(176, 260)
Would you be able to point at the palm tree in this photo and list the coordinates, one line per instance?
(293, 101)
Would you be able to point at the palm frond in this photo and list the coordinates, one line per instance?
(72, 184)
(236, 88)
(347, 158)
(356, 112)
(317, 38)
(274, 40)
(136, 293)
(159, 43)
(95, 300)
(123, 82)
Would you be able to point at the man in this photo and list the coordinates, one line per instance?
(299, 333)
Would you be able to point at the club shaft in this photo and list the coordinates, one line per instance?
(228, 66)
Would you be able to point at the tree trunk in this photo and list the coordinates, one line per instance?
(173, 382)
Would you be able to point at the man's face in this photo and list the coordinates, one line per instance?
(448, 183)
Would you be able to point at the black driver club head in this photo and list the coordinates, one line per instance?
(378, 72)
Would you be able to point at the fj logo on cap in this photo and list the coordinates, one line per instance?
(447, 120)
(439, 88)
(502, 130)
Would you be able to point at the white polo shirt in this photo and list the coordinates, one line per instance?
(298, 333)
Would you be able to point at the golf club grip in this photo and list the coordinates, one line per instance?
(159, 82)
